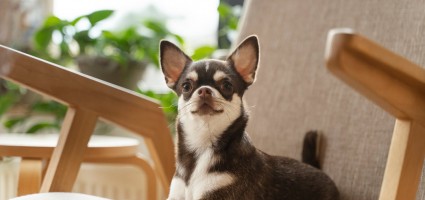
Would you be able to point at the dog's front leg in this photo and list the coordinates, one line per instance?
(177, 189)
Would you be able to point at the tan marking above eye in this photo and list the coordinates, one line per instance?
(219, 75)
(192, 76)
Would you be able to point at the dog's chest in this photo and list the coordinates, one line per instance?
(202, 181)
(198, 136)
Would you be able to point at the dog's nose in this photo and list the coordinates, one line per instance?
(204, 92)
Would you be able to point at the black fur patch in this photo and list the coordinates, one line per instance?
(185, 157)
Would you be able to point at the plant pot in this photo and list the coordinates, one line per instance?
(111, 71)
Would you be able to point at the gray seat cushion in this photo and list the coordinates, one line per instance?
(295, 93)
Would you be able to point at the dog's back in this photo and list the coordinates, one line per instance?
(261, 176)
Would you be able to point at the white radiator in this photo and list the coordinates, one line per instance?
(119, 182)
(9, 168)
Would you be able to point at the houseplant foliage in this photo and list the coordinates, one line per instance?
(9, 95)
(124, 54)
(69, 34)
(229, 13)
(63, 42)
(119, 57)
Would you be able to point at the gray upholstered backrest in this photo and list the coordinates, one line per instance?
(294, 92)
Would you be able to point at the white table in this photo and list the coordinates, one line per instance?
(58, 196)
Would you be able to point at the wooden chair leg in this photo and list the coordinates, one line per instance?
(150, 175)
(29, 176)
(68, 154)
(140, 162)
(45, 164)
(405, 161)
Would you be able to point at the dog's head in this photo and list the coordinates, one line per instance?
(210, 88)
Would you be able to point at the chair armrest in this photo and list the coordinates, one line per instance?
(391, 81)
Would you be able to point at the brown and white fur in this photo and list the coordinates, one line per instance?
(215, 157)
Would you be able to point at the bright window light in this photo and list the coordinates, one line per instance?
(194, 20)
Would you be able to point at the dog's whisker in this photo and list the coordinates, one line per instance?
(187, 105)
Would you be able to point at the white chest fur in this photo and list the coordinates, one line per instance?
(201, 181)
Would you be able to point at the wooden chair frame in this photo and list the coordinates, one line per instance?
(89, 99)
(396, 85)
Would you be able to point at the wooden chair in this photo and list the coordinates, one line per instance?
(36, 151)
(295, 93)
(89, 99)
(396, 85)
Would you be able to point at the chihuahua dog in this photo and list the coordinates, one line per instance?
(215, 157)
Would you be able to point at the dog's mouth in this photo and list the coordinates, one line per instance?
(206, 108)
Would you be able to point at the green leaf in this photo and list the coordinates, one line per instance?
(11, 123)
(179, 39)
(224, 10)
(50, 107)
(41, 126)
(42, 38)
(52, 21)
(203, 52)
(158, 27)
(130, 35)
(76, 20)
(83, 39)
(6, 101)
(110, 38)
(82, 36)
(65, 52)
(12, 86)
(98, 16)
(168, 103)
(168, 100)
(233, 23)
(108, 34)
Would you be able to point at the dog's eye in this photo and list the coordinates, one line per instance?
(227, 86)
(187, 87)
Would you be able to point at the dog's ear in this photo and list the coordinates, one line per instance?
(245, 59)
(173, 61)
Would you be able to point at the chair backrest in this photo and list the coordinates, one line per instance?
(295, 93)
(89, 99)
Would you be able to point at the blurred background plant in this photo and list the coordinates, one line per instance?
(10, 93)
(229, 12)
(64, 42)
(61, 41)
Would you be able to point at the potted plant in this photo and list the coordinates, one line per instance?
(118, 57)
